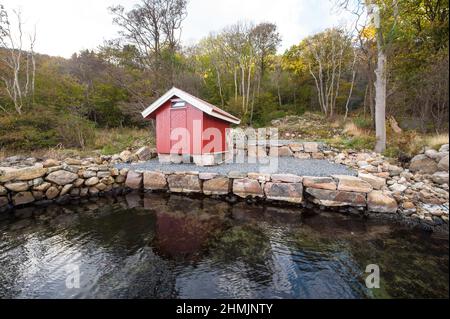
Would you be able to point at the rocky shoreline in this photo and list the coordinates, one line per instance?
(417, 195)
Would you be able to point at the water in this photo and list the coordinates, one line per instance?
(161, 246)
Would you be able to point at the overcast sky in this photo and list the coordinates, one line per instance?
(68, 26)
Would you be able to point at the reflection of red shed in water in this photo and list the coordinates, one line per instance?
(184, 128)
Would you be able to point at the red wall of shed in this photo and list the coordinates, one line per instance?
(163, 129)
(212, 122)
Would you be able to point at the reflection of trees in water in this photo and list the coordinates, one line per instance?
(184, 225)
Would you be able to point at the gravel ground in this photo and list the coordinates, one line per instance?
(301, 167)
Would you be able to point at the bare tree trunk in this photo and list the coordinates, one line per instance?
(243, 88)
(365, 100)
(351, 89)
(248, 85)
(235, 85)
(380, 85)
(19, 83)
(219, 83)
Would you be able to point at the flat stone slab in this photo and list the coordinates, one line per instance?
(286, 165)
(245, 187)
(379, 202)
(154, 181)
(179, 183)
(217, 186)
(337, 198)
(287, 192)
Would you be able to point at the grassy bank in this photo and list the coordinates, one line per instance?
(104, 142)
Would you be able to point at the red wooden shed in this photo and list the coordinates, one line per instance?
(189, 128)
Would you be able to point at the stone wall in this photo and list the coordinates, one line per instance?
(419, 192)
(297, 149)
(342, 192)
(53, 180)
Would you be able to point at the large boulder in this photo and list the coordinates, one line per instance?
(423, 164)
(89, 174)
(319, 182)
(217, 186)
(103, 174)
(375, 181)
(61, 177)
(22, 198)
(379, 202)
(51, 162)
(17, 187)
(443, 164)
(337, 198)
(144, 153)
(24, 174)
(288, 192)
(184, 183)
(352, 184)
(154, 180)
(52, 192)
(101, 186)
(310, 147)
(444, 148)
(91, 181)
(134, 180)
(244, 187)
(73, 161)
(256, 151)
(125, 156)
(42, 187)
(440, 177)
(296, 147)
(66, 189)
(3, 191)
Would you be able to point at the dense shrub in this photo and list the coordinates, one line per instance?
(42, 128)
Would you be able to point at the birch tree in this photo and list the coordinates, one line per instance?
(327, 55)
(20, 64)
(378, 11)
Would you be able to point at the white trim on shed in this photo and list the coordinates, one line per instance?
(196, 102)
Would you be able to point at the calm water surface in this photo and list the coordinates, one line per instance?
(161, 246)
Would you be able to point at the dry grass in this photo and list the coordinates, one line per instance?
(111, 141)
(436, 141)
(352, 129)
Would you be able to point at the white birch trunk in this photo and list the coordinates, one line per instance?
(380, 84)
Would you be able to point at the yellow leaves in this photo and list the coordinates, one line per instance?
(369, 32)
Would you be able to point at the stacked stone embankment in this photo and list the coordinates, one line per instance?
(59, 181)
(418, 191)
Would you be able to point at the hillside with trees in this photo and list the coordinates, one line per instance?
(391, 65)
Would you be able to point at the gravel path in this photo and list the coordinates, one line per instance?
(301, 167)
